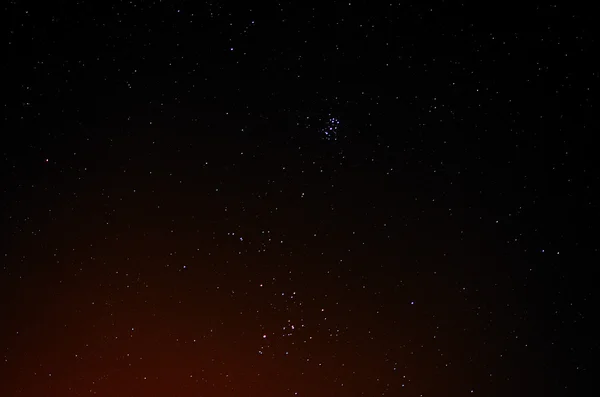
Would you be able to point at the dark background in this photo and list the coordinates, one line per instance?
(171, 204)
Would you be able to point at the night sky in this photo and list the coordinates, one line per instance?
(290, 199)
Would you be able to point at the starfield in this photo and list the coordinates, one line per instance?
(281, 198)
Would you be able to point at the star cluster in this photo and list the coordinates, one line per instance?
(330, 131)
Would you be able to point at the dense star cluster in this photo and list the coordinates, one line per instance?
(293, 199)
(330, 131)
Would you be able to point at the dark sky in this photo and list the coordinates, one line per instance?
(293, 199)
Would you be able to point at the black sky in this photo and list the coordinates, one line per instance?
(285, 198)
